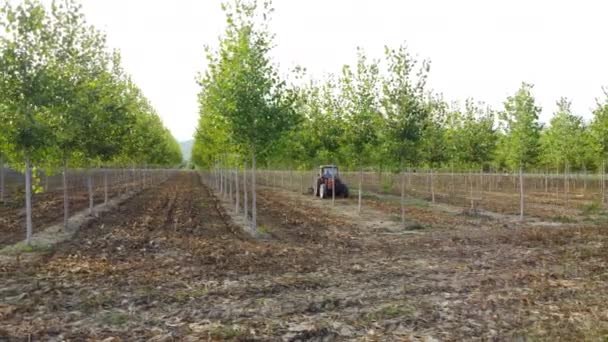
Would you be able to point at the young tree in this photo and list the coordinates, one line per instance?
(599, 129)
(403, 104)
(361, 110)
(243, 85)
(433, 148)
(564, 142)
(471, 136)
(316, 140)
(62, 98)
(25, 52)
(521, 143)
(79, 67)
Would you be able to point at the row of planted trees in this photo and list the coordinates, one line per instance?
(376, 114)
(379, 114)
(65, 100)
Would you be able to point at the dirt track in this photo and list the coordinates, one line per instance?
(168, 264)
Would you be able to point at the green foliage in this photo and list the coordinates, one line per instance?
(598, 130)
(244, 106)
(565, 142)
(64, 96)
(520, 145)
(360, 108)
(403, 102)
(471, 136)
(26, 79)
(375, 113)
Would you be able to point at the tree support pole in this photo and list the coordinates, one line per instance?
(245, 196)
(432, 187)
(254, 222)
(360, 186)
(603, 182)
(2, 199)
(90, 189)
(333, 189)
(402, 198)
(521, 193)
(28, 200)
(236, 182)
(105, 186)
(66, 198)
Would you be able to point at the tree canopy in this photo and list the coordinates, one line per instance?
(375, 113)
(64, 96)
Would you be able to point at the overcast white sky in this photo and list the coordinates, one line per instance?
(481, 49)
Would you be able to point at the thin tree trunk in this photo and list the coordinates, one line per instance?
(452, 182)
(236, 182)
(66, 199)
(566, 185)
(481, 183)
(2, 199)
(521, 193)
(493, 177)
(409, 179)
(105, 186)
(28, 200)
(222, 182)
(402, 198)
(471, 191)
(90, 188)
(333, 189)
(125, 179)
(556, 182)
(432, 187)
(245, 196)
(254, 222)
(360, 186)
(230, 181)
(584, 177)
(603, 182)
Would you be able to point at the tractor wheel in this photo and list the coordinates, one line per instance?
(345, 191)
(322, 191)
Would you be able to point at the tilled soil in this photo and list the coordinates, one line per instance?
(47, 209)
(169, 265)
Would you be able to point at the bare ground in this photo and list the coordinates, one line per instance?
(169, 264)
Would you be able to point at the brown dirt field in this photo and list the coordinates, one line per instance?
(47, 210)
(169, 265)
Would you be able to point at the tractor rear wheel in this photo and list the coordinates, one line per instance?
(344, 191)
(322, 191)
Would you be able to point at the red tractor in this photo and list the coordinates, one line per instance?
(328, 180)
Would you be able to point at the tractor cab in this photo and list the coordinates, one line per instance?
(328, 182)
(328, 171)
